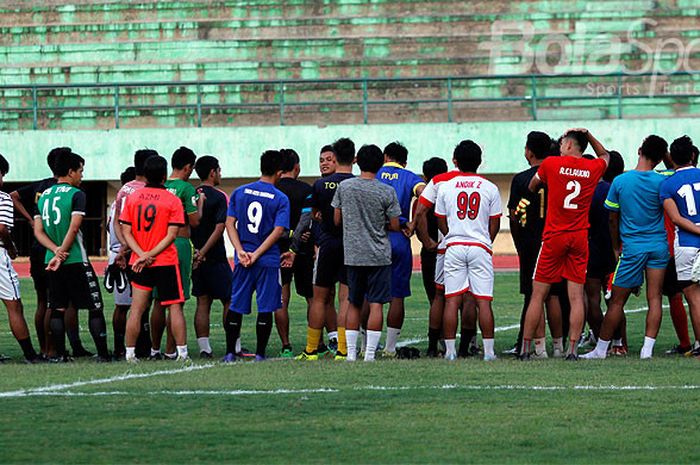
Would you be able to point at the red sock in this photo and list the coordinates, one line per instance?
(680, 320)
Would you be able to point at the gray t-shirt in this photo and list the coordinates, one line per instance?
(367, 206)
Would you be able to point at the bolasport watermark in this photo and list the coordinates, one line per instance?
(645, 60)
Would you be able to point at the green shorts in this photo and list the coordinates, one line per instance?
(185, 251)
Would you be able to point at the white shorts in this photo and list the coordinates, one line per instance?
(9, 281)
(122, 299)
(440, 270)
(685, 256)
(468, 269)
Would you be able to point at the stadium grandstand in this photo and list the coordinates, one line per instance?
(230, 77)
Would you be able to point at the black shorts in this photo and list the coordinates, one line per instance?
(303, 273)
(330, 268)
(427, 268)
(166, 279)
(212, 279)
(671, 284)
(528, 262)
(600, 262)
(75, 284)
(370, 282)
(37, 267)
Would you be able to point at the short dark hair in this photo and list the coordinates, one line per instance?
(156, 170)
(326, 148)
(616, 166)
(554, 148)
(182, 157)
(539, 144)
(140, 157)
(270, 162)
(682, 150)
(4, 165)
(467, 155)
(290, 158)
(434, 166)
(128, 175)
(344, 150)
(654, 148)
(696, 153)
(66, 161)
(370, 158)
(51, 157)
(397, 152)
(579, 137)
(204, 165)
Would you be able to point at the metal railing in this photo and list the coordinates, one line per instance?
(362, 86)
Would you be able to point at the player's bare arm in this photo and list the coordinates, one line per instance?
(674, 215)
(271, 240)
(45, 240)
(394, 224)
(20, 208)
(7, 241)
(338, 217)
(420, 223)
(494, 226)
(213, 238)
(243, 256)
(442, 225)
(535, 183)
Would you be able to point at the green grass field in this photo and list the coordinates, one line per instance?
(391, 411)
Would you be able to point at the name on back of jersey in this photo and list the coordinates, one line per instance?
(577, 173)
(267, 195)
(471, 184)
(390, 176)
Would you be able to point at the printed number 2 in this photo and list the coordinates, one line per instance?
(254, 217)
(686, 191)
(575, 188)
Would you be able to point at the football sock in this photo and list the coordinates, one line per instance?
(263, 329)
(313, 337)
(342, 341)
(601, 347)
(118, 343)
(372, 342)
(488, 346)
(98, 331)
(540, 346)
(558, 344)
(617, 342)
(130, 353)
(525, 349)
(696, 344)
(363, 334)
(27, 348)
(204, 346)
(648, 347)
(433, 336)
(233, 330)
(154, 352)
(392, 335)
(58, 332)
(351, 336)
(73, 338)
(333, 335)
(238, 346)
(465, 340)
(680, 320)
(450, 347)
(182, 352)
(143, 342)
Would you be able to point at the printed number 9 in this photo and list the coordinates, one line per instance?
(254, 217)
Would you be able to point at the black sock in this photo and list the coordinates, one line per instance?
(234, 320)
(41, 336)
(433, 337)
(466, 339)
(263, 329)
(27, 348)
(58, 332)
(74, 339)
(98, 331)
(143, 342)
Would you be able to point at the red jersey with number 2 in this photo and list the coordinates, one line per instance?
(570, 182)
(150, 211)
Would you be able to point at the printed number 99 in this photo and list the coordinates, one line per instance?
(468, 205)
(254, 217)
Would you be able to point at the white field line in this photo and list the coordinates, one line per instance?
(124, 377)
(371, 388)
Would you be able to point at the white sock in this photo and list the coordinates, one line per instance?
(171, 356)
(154, 351)
(372, 342)
(696, 345)
(203, 343)
(182, 351)
(558, 344)
(131, 353)
(617, 342)
(363, 333)
(238, 345)
(333, 335)
(488, 346)
(450, 347)
(351, 341)
(648, 347)
(392, 335)
(540, 346)
(601, 347)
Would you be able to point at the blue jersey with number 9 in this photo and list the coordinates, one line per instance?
(259, 207)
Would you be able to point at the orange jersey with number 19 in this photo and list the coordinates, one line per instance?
(150, 211)
(570, 182)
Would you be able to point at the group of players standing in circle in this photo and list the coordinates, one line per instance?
(581, 227)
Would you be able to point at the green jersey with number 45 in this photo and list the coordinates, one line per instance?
(57, 205)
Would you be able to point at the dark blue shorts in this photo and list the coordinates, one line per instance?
(401, 265)
(212, 279)
(265, 281)
(370, 282)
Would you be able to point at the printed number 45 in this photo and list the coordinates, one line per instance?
(575, 188)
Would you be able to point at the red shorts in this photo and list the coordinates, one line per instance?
(563, 256)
